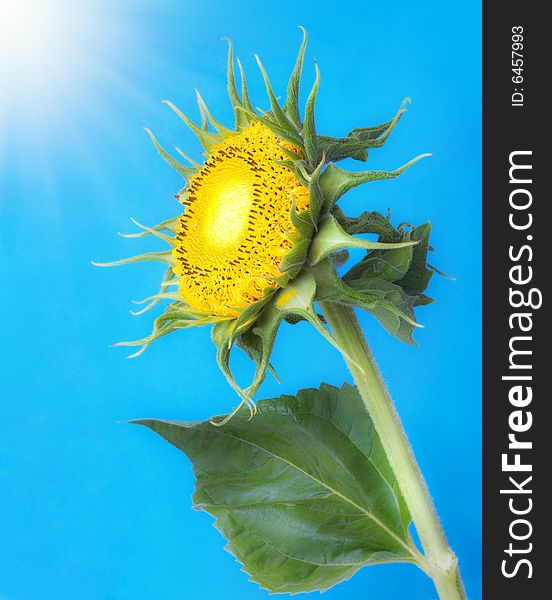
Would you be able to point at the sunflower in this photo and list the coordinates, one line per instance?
(261, 236)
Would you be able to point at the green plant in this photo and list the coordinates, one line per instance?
(310, 488)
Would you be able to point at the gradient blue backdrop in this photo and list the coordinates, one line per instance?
(94, 509)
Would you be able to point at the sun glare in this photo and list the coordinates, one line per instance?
(35, 41)
(42, 63)
(25, 30)
(60, 65)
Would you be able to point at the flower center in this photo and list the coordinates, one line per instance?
(236, 228)
(229, 196)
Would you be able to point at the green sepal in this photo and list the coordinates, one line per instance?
(339, 257)
(310, 139)
(277, 112)
(331, 237)
(252, 345)
(207, 138)
(152, 301)
(293, 261)
(316, 197)
(291, 105)
(156, 230)
(285, 133)
(337, 149)
(301, 221)
(186, 172)
(164, 257)
(360, 140)
(195, 164)
(293, 157)
(176, 316)
(438, 271)
(368, 222)
(245, 101)
(248, 314)
(393, 319)
(170, 225)
(240, 117)
(335, 182)
(302, 492)
(257, 339)
(223, 337)
(390, 265)
(372, 295)
(227, 334)
(208, 118)
(265, 328)
(423, 300)
(418, 276)
(379, 132)
(400, 275)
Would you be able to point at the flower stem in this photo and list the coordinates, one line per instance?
(442, 563)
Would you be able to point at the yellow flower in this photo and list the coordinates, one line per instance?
(236, 227)
(261, 231)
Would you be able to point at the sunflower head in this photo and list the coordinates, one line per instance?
(236, 227)
(261, 236)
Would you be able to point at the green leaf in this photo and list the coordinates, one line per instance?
(423, 300)
(170, 225)
(291, 106)
(335, 181)
(165, 257)
(418, 275)
(207, 138)
(176, 316)
(398, 276)
(240, 117)
(332, 237)
(385, 300)
(293, 261)
(379, 132)
(186, 172)
(246, 103)
(368, 222)
(360, 140)
(255, 330)
(388, 264)
(302, 491)
(309, 127)
(277, 112)
(389, 314)
(207, 117)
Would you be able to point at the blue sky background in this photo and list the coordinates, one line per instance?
(95, 509)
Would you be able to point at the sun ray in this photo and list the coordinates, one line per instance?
(61, 64)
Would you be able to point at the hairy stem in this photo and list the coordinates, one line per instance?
(442, 563)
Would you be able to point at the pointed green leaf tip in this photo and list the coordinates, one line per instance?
(310, 138)
(186, 172)
(277, 112)
(296, 300)
(387, 301)
(206, 117)
(302, 492)
(164, 256)
(207, 138)
(291, 106)
(240, 117)
(335, 182)
(332, 237)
